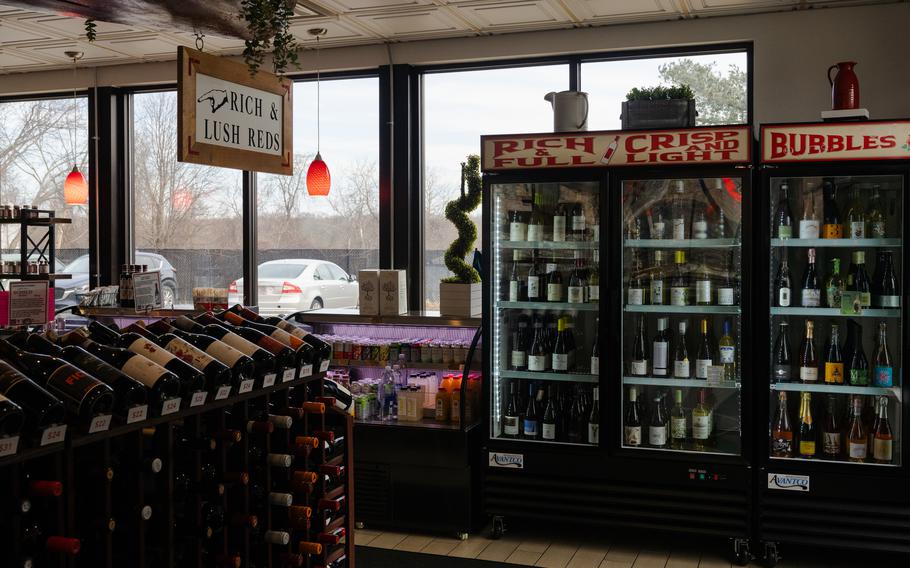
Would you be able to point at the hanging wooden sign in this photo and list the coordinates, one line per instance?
(705, 145)
(230, 118)
(836, 141)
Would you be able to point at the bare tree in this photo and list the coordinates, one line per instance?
(355, 201)
(285, 193)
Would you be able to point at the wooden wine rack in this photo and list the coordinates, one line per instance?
(83, 463)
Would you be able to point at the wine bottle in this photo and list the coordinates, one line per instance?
(240, 367)
(859, 365)
(727, 349)
(807, 430)
(515, 287)
(289, 350)
(681, 355)
(783, 284)
(857, 441)
(811, 293)
(638, 366)
(883, 374)
(678, 428)
(536, 222)
(783, 218)
(699, 222)
(657, 429)
(577, 283)
(705, 357)
(510, 418)
(875, 220)
(834, 285)
(579, 225)
(128, 392)
(858, 279)
(886, 289)
(834, 361)
(41, 408)
(595, 350)
(657, 280)
(548, 423)
(632, 421)
(660, 348)
(703, 288)
(594, 418)
(264, 361)
(593, 292)
(518, 357)
(782, 364)
(680, 211)
(782, 431)
(162, 384)
(808, 358)
(240, 321)
(342, 396)
(559, 223)
(518, 226)
(726, 290)
(636, 282)
(530, 424)
(831, 433)
(701, 422)
(679, 284)
(554, 282)
(321, 349)
(808, 224)
(831, 228)
(883, 440)
(83, 395)
(538, 354)
(855, 218)
(560, 357)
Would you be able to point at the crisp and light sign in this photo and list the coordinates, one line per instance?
(231, 119)
(866, 140)
(710, 145)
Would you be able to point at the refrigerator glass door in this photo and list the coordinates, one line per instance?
(546, 290)
(836, 318)
(682, 318)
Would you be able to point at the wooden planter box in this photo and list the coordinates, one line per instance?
(460, 300)
(673, 113)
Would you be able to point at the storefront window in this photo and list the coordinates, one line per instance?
(312, 247)
(459, 107)
(187, 219)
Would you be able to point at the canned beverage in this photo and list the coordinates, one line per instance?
(374, 352)
(356, 351)
(447, 355)
(338, 350)
(426, 352)
(346, 349)
(436, 350)
(383, 352)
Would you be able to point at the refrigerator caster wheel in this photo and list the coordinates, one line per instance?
(499, 527)
(462, 536)
(772, 557)
(741, 554)
(358, 525)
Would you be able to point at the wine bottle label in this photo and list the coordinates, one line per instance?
(576, 294)
(857, 230)
(535, 233)
(859, 377)
(554, 292)
(865, 300)
(657, 292)
(701, 368)
(703, 291)
(513, 290)
(659, 358)
(832, 231)
(808, 229)
(727, 354)
(224, 353)
(285, 337)
(537, 362)
(681, 369)
(883, 376)
(188, 353)
(808, 374)
(679, 229)
(533, 287)
(560, 362)
(657, 435)
(639, 368)
(633, 435)
(593, 433)
(578, 223)
(657, 231)
(529, 427)
(857, 450)
(559, 229)
(636, 296)
(518, 231)
(725, 297)
(784, 231)
(834, 373)
(71, 383)
(878, 229)
(782, 444)
(881, 450)
(149, 350)
(548, 431)
(783, 297)
(831, 443)
(678, 296)
(678, 427)
(519, 359)
(700, 230)
(595, 232)
(812, 298)
(594, 293)
(832, 296)
(510, 425)
(807, 447)
(888, 301)
(143, 370)
(701, 426)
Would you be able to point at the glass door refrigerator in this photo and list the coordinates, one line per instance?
(600, 247)
(833, 213)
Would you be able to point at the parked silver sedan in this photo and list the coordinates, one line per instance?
(293, 284)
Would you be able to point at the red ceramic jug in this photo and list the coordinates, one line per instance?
(844, 86)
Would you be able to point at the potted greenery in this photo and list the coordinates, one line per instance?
(659, 107)
(460, 295)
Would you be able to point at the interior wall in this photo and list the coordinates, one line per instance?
(791, 55)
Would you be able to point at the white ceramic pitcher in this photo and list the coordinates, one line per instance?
(570, 110)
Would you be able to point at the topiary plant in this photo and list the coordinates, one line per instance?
(457, 212)
(660, 92)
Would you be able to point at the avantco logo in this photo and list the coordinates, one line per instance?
(788, 482)
(515, 461)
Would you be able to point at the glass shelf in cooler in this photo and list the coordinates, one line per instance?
(546, 376)
(837, 243)
(835, 313)
(671, 382)
(547, 306)
(837, 389)
(681, 243)
(722, 310)
(549, 245)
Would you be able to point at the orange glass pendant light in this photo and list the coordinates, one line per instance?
(318, 178)
(75, 189)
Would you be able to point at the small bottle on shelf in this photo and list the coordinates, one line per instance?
(883, 374)
(679, 285)
(831, 432)
(782, 431)
(782, 367)
(857, 440)
(632, 421)
(678, 422)
(831, 226)
(705, 357)
(681, 354)
(808, 224)
(657, 429)
(783, 284)
(702, 423)
(680, 210)
(807, 431)
(855, 217)
(811, 293)
(638, 365)
(886, 287)
(661, 348)
(834, 285)
(883, 440)
(783, 218)
(834, 361)
(808, 358)
(859, 365)
(594, 418)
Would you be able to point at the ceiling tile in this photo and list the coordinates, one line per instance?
(12, 32)
(500, 14)
(55, 52)
(623, 11)
(143, 46)
(337, 31)
(12, 60)
(345, 6)
(412, 23)
(70, 27)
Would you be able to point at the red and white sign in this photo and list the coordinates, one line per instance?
(831, 142)
(708, 145)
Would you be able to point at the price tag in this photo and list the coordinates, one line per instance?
(170, 406)
(245, 386)
(289, 375)
(198, 398)
(53, 435)
(850, 304)
(324, 366)
(100, 423)
(223, 392)
(137, 414)
(268, 380)
(9, 446)
(715, 375)
(306, 371)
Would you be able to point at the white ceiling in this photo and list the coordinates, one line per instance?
(32, 41)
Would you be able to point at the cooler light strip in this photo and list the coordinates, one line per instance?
(496, 345)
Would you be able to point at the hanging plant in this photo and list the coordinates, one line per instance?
(91, 30)
(457, 212)
(268, 22)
